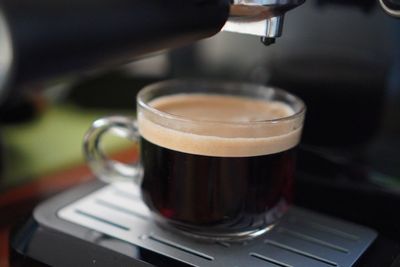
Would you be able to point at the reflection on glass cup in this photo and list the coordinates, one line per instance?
(216, 158)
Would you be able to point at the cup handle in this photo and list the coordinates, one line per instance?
(104, 168)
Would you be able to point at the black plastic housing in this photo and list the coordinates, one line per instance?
(58, 37)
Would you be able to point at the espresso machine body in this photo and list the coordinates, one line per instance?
(42, 39)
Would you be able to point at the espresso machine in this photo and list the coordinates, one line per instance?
(98, 224)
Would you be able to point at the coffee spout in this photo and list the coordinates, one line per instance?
(263, 18)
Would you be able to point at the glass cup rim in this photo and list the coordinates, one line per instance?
(170, 83)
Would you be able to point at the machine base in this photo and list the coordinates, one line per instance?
(103, 225)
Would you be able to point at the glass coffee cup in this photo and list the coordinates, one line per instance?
(217, 159)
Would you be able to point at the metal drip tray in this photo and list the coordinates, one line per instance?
(301, 238)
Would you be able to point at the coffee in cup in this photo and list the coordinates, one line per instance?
(217, 159)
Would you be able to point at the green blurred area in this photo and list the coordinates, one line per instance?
(50, 143)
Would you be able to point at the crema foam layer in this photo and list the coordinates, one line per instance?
(224, 126)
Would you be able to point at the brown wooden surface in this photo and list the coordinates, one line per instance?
(17, 203)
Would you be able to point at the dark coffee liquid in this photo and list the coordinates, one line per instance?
(216, 192)
(225, 172)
